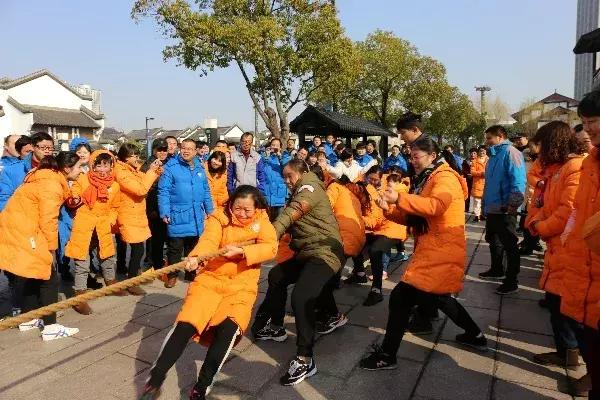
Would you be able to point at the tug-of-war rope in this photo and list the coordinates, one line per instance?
(145, 277)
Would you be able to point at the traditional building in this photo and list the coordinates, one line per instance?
(43, 102)
(555, 107)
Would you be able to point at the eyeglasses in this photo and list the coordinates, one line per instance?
(413, 158)
(45, 148)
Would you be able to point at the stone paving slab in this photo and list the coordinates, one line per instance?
(111, 357)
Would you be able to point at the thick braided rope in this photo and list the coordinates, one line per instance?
(145, 277)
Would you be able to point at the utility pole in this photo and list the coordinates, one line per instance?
(483, 89)
(255, 122)
(148, 138)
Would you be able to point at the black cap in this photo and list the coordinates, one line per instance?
(517, 136)
(159, 144)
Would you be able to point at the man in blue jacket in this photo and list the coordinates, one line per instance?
(503, 194)
(246, 166)
(362, 158)
(275, 187)
(184, 201)
(14, 170)
(395, 159)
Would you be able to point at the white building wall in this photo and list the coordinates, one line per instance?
(45, 91)
(13, 122)
(587, 20)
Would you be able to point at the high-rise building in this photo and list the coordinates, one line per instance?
(586, 65)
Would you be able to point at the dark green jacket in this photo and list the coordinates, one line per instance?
(310, 219)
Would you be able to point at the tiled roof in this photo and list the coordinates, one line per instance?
(559, 98)
(7, 83)
(344, 123)
(54, 116)
(140, 134)
(111, 134)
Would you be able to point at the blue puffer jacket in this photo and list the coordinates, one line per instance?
(12, 173)
(184, 197)
(505, 179)
(65, 226)
(363, 160)
(398, 161)
(275, 188)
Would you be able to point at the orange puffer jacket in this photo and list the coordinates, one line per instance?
(581, 278)
(378, 223)
(102, 217)
(218, 187)
(438, 262)
(534, 175)
(29, 224)
(551, 219)
(227, 288)
(132, 219)
(478, 173)
(346, 208)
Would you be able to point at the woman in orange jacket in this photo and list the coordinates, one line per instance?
(383, 235)
(560, 160)
(131, 214)
(96, 197)
(434, 213)
(216, 173)
(580, 296)
(478, 173)
(30, 237)
(218, 306)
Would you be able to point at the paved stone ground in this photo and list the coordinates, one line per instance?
(110, 357)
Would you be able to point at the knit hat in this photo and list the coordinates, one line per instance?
(76, 142)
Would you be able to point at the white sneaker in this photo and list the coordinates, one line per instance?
(57, 331)
(33, 324)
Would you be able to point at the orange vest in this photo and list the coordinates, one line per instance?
(132, 219)
(581, 277)
(478, 173)
(29, 224)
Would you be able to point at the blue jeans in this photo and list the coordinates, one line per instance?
(565, 330)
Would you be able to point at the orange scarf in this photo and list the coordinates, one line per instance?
(98, 189)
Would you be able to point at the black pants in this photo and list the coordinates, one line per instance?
(376, 246)
(402, 300)
(177, 248)
(310, 276)
(177, 340)
(135, 257)
(36, 293)
(157, 242)
(565, 330)
(501, 234)
(326, 305)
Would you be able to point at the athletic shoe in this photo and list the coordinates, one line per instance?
(33, 324)
(260, 322)
(298, 371)
(491, 275)
(378, 360)
(373, 298)
(57, 331)
(331, 324)
(355, 279)
(399, 257)
(477, 342)
(268, 333)
(150, 393)
(197, 394)
(384, 276)
(507, 288)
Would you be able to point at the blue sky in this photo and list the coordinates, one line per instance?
(521, 48)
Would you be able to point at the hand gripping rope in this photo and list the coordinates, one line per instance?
(145, 277)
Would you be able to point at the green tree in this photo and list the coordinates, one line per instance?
(284, 49)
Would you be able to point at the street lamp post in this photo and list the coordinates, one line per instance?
(148, 141)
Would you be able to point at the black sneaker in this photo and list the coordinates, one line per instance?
(150, 393)
(298, 371)
(268, 333)
(507, 288)
(420, 326)
(355, 279)
(492, 275)
(325, 327)
(538, 247)
(378, 360)
(477, 342)
(197, 394)
(260, 321)
(373, 298)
